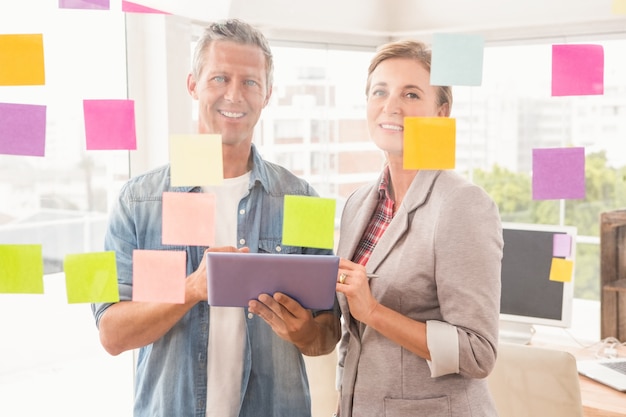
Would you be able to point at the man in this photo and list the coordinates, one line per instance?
(194, 359)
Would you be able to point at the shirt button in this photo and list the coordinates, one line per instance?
(242, 241)
(278, 248)
(242, 211)
(250, 316)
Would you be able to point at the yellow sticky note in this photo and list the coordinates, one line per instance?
(618, 7)
(159, 276)
(196, 160)
(561, 270)
(91, 278)
(188, 219)
(21, 60)
(21, 269)
(429, 143)
(309, 222)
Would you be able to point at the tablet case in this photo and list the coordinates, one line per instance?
(235, 278)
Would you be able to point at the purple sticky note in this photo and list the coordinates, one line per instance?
(558, 173)
(22, 129)
(84, 4)
(110, 124)
(562, 245)
(577, 70)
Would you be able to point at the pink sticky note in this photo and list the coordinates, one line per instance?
(558, 173)
(22, 129)
(131, 7)
(188, 219)
(159, 276)
(110, 124)
(577, 70)
(84, 4)
(562, 245)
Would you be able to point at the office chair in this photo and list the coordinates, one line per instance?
(535, 382)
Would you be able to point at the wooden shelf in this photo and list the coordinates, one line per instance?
(613, 274)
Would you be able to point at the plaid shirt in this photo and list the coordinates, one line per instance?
(378, 223)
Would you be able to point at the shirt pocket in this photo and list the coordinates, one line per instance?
(276, 247)
(431, 407)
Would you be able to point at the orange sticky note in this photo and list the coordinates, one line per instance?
(196, 160)
(188, 219)
(561, 270)
(429, 142)
(159, 276)
(21, 60)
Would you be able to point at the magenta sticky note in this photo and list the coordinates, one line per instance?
(110, 124)
(558, 173)
(131, 7)
(562, 245)
(84, 4)
(22, 129)
(577, 70)
(159, 276)
(188, 219)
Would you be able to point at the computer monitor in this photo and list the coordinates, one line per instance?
(529, 297)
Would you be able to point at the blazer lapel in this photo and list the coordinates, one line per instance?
(417, 195)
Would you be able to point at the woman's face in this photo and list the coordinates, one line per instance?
(399, 88)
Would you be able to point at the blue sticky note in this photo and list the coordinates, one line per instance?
(22, 129)
(457, 59)
(558, 173)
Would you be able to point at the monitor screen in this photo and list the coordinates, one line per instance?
(530, 295)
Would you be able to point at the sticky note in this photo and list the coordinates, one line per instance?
(21, 58)
(561, 270)
(22, 129)
(91, 278)
(577, 70)
(562, 245)
(618, 7)
(159, 276)
(110, 124)
(429, 142)
(131, 7)
(188, 219)
(457, 59)
(196, 160)
(21, 269)
(558, 173)
(309, 222)
(84, 4)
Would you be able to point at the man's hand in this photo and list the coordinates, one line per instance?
(295, 324)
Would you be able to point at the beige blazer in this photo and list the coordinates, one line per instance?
(439, 259)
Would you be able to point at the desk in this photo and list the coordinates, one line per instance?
(598, 399)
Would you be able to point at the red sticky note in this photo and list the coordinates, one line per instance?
(189, 219)
(131, 7)
(159, 276)
(110, 124)
(577, 70)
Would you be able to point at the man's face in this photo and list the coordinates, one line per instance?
(231, 91)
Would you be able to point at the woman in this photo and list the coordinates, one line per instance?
(421, 336)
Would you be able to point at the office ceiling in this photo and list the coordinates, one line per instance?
(370, 21)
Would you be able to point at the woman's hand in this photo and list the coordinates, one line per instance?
(352, 281)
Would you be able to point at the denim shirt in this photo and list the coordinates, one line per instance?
(171, 375)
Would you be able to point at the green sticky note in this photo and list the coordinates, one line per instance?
(91, 278)
(309, 222)
(21, 269)
(429, 143)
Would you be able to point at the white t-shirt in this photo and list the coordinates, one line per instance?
(227, 324)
